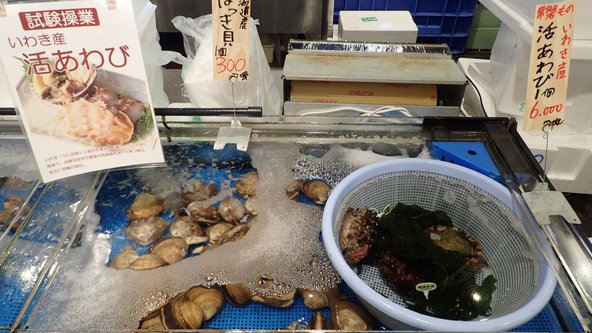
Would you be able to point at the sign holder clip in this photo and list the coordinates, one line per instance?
(3, 4)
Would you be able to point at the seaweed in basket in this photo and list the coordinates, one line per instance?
(430, 263)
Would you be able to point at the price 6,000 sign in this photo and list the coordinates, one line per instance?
(549, 66)
(230, 25)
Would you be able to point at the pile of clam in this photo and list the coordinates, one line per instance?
(200, 224)
(192, 308)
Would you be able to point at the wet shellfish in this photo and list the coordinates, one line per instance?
(231, 210)
(357, 234)
(184, 227)
(203, 212)
(316, 190)
(125, 257)
(245, 187)
(145, 205)
(171, 250)
(147, 231)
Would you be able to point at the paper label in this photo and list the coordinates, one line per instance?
(230, 26)
(77, 79)
(549, 66)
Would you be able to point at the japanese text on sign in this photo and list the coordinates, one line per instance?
(59, 18)
(549, 66)
(230, 25)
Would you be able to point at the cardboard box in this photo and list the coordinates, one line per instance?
(363, 93)
(377, 26)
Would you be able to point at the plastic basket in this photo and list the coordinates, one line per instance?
(438, 21)
(476, 204)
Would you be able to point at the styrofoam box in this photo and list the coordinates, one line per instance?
(519, 15)
(377, 26)
(144, 12)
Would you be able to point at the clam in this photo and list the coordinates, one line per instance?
(250, 206)
(203, 212)
(210, 300)
(245, 187)
(347, 315)
(316, 190)
(145, 205)
(171, 250)
(293, 189)
(231, 210)
(182, 313)
(237, 293)
(316, 300)
(184, 227)
(274, 294)
(147, 231)
(11, 205)
(216, 231)
(200, 192)
(318, 322)
(283, 300)
(152, 321)
(235, 233)
(125, 258)
(147, 261)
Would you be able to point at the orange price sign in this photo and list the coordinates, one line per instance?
(549, 66)
(230, 26)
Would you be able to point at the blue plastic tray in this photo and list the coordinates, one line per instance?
(438, 21)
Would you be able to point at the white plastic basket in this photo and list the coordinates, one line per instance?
(475, 203)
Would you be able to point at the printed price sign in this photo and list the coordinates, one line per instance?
(230, 26)
(549, 66)
(77, 79)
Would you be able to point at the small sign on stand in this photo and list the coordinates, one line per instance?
(230, 27)
(78, 82)
(549, 66)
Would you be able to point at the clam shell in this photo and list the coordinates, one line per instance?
(147, 261)
(250, 206)
(144, 206)
(231, 210)
(125, 258)
(181, 313)
(347, 315)
(318, 322)
(235, 233)
(200, 192)
(316, 300)
(237, 293)
(171, 250)
(153, 321)
(203, 212)
(277, 301)
(294, 188)
(210, 300)
(184, 227)
(245, 187)
(316, 190)
(147, 231)
(216, 231)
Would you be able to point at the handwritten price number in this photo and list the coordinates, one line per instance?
(535, 112)
(224, 65)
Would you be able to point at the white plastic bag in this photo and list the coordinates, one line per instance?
(198, 77)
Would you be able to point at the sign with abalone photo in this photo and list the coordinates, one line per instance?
(77, 79)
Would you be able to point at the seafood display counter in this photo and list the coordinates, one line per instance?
(228, 239)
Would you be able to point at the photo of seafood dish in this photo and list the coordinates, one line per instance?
(87, 105)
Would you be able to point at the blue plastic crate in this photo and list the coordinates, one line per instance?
(438, 21)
